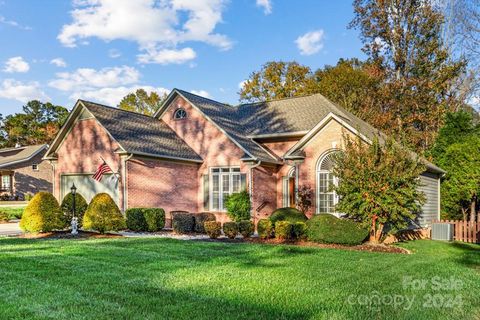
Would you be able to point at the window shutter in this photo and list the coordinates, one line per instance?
(243, 181)
(206, 193)
(285, 192)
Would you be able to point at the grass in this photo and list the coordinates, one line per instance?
(128, 278)
(13, 212)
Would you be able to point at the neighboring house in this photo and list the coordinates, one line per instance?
(23, 171)
(194, 151)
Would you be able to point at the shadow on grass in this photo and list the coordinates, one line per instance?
(470, 254)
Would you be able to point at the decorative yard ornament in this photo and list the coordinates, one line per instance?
(74, 223)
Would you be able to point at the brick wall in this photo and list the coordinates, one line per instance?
(165, 184)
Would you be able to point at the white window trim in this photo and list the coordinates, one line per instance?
(220, 185)
(335, 182)
(177, 111)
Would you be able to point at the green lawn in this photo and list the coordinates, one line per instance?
(128, 278)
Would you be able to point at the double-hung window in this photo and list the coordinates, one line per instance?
(6, 182)
(225, 181)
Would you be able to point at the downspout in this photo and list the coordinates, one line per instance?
(250, 187)
(124, 181)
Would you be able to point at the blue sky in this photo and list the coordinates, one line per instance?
(100, 50)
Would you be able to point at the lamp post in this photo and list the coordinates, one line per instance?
(73, 189)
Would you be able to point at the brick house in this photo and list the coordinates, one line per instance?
(24, 171)
(195, 150)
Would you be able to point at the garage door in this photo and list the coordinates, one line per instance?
(88, 187)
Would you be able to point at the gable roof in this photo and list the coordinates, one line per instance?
(245, 123)
(135, 133)
(11, 156)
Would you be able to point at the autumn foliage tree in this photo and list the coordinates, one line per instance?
(142, 102)
(378, 185)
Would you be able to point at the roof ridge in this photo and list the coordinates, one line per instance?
(202, 97)
(280, 99)
(116, 108)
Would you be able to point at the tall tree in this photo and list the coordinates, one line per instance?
(39, 123)
(378, 185)
(278, 80)
(457, 150)
(404, 37)
(142, 102)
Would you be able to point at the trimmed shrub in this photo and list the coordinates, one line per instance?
(299, 230)
(201, 218)
(238, 206)
(4, 217)
(230, 229)
(103, 215)
(245, 228)
(28, 196)
(213, 229)
(265, 228)
(326, 228)
(42, 214)
(155, 218)
(288, 214)
(183, 222)
(136, 219)
(81, 206)
(283, 230)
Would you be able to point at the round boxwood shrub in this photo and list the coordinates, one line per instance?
(80, 208)
(183, 222)
(238, 206)
(4, 217)
(42, 214)
(326, 228)
(265, 228)
(213, 229)
(201, 218)
(288, 214)
(135, 219)
(283, 230)
(299, 230)
(103, 215)
(154, 218)
(245, 228)
(230, 229)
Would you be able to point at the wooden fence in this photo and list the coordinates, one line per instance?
(464, 230)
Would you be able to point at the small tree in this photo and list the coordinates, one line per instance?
(304, 198)
(238, 206)
(378, 185)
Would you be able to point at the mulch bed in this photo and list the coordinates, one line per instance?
(67, 235)
(363, 247)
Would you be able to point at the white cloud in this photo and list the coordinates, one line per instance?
(12, 23)
(59, 62)
(266, 5)
(241, 84)
(16, 64)
(114, 53)
(201, 93)
(310, 43)
(87, 78)
(155, 25)
(23, 92)
(113, 96)
(167, 56)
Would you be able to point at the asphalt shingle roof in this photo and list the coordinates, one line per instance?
(17, 155)
(141, 134)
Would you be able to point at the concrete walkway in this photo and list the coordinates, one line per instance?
(10, 229)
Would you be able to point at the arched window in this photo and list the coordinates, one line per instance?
(179, 114)
(326, 197)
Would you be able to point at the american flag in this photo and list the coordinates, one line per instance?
(102, 169)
